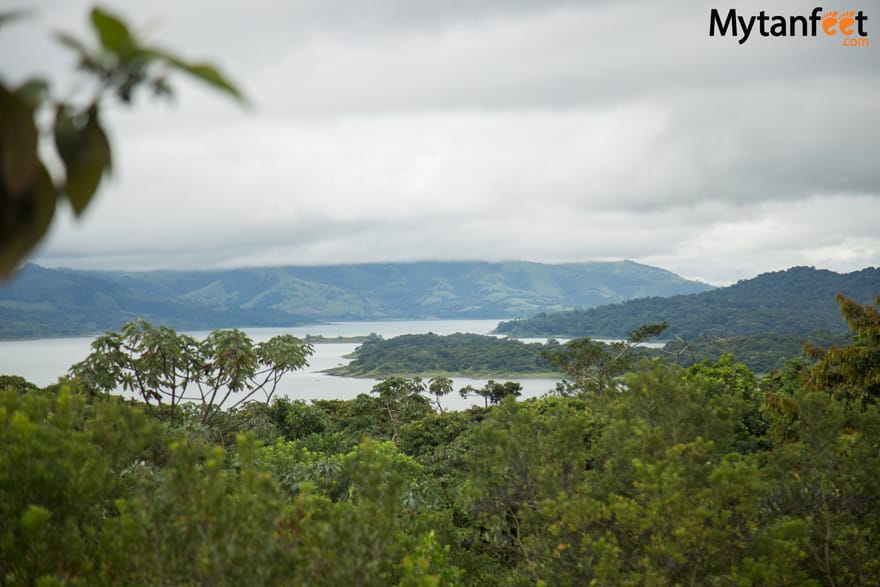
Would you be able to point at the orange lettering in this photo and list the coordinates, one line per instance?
(829, 21)
(846, 23)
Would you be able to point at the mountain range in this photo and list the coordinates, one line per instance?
(54, 302)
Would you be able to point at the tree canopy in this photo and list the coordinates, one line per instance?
(167, 370)
(672, 476)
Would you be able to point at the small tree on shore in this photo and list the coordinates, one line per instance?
(493, 392)
(439, 386)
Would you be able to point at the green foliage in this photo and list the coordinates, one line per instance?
(438, 387)
(297, 419)
(662, 407)
(198, 521)
(493, 392)
(84, 149)
(647, 331)
(761, 353)
(852, 371)
(458, 354)
(392, 404)
(673, 476)
(17, 383)
(497, 392)
(63, 465)
(508, 477)
(97, 494)
(427, 566)
(823, 481)
(433, 433)
(165, 369)
(737, 381)
(356, 516)
(118, 65)
(591, 366)
(587, 365)
(400, 400)
(798, 300)
(654, 491)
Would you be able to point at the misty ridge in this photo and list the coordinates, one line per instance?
(51, 302)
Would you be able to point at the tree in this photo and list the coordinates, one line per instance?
(64, 463)
(439, 386)
(17, 383)
(737, 381)
(205, 518)
(493, 392)
(498, 391)
(660, 497)
(594, 366)
(853, 371)
(822, 494)
(165, 369)
(118, 66)
(400, 399)
(517, 459)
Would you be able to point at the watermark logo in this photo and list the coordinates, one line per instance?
(850, 26)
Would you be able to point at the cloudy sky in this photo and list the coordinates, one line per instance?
(554, 131)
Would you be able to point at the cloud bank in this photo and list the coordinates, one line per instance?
(545, 131)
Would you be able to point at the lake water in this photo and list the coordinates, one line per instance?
(43, 361)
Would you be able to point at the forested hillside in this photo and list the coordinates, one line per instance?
(45, 302)
(471, 355)
(474, 355)
(799, 300)
(56, 302)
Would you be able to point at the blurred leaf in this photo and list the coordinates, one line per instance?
(11, 15)
(114, 34)
(18, 144)
(27, 195)
(87, 60)
(25, 220)
(33, 92)
(212, 76)
(72, 42)
(27, 192)
(161, 88)
(85, 152)
(203, 71)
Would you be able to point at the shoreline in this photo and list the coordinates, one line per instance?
(342, 372)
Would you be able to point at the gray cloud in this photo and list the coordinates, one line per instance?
(561, 131)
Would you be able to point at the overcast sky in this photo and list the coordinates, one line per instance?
(553, 131)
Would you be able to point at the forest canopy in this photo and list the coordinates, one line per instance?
(455, 354)
(667, 475)
(799, 300)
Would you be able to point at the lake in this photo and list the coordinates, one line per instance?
(43, 361)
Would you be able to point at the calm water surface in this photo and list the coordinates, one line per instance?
(43, 361)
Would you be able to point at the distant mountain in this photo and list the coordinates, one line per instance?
(47, 302)
(62, 302)
(799, 300)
